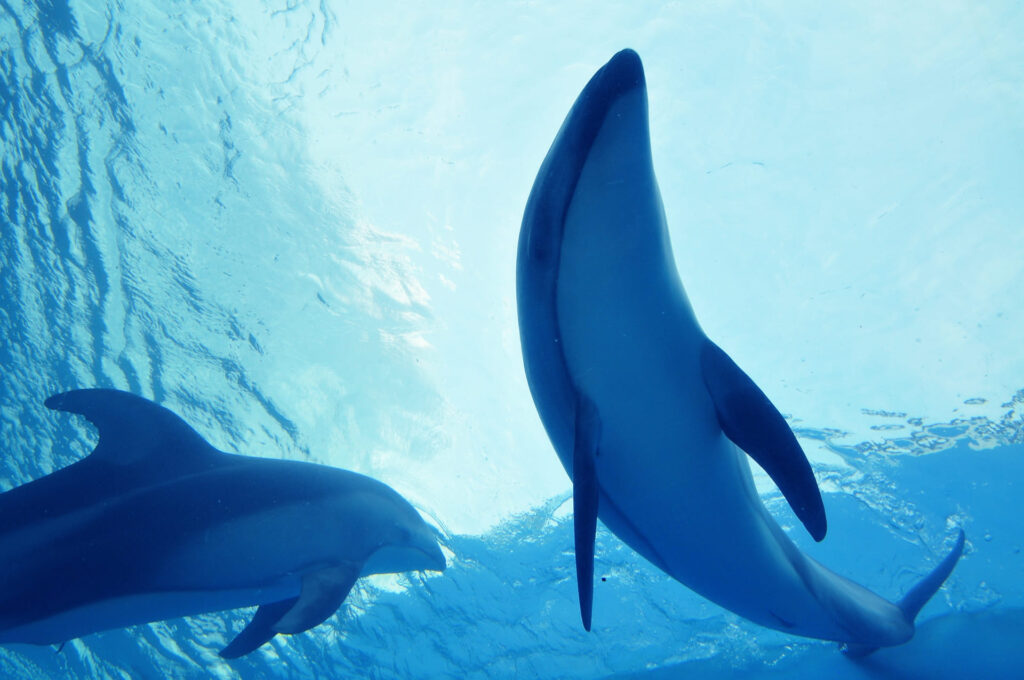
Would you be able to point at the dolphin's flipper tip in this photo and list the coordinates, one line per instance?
(752, 422)
(586, 605)
(584, 501)
(585, 565)
(259, 631)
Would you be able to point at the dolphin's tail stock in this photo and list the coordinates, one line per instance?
(918, 596)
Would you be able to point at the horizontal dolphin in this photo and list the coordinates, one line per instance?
(156, 523)
(648, 416)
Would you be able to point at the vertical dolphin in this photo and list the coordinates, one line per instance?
(156, 523)
(648, 416)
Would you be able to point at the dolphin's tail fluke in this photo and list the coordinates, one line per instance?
(918, 596)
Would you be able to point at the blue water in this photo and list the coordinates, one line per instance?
(294, 224)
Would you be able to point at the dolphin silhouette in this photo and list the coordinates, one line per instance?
(648, 416)
(156, 523)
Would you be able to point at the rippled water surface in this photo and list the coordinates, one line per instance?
(294, 223)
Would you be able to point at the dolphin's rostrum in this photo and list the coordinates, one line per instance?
(156, 523)
(649, 417)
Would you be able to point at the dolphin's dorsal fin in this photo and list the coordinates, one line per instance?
(259, 631)
(584, 500)
(752, 422)
(140, 444)
(322, 593)
(135, 432)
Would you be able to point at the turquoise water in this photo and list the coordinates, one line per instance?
(295, 225)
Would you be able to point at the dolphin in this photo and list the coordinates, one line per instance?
(156, 523)
(648, 416)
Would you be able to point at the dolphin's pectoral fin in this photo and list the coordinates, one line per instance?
(138, 434)
(756, 426)
(322, 593)
(259, 630)
(584, 500)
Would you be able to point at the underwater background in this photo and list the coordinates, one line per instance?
(294, 223)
